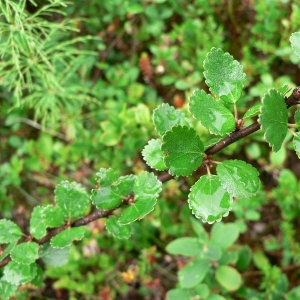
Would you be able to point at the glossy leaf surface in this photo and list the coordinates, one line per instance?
(37, 225)
(6, 289)
(229, 278)
(211, 113)
(295, 41)
(238, 178)
(253, 111)
(296, 143)
(146, 190)
(105, 177)
(9, 232)
(193, 273)
(183, 150)
(153, 155)
(111, 196)
(208, 200)
(53, 216)
(166, 116)
(72, 199)
(17, 273)
(274, 118)
(66, 237)
(186, 246)
(118, 230)
(25, 253)
(224, 75)
(54, 257)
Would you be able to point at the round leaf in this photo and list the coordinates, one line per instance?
(7, 289)
(37, 225)
(229, 278)
(166, 116)
(105, 177)
(295, 41)
(119, 231)
(53, 216)
(208, 199)
(66, 237)
(154, 156)
(25, 253)
(176, 294)
(224, 75)
(54, 257)
(238, 178)
(16, 273)
(72, 199)
(183, 150)
(211, 113)
(224, 234)
(253, 111)
(186, 246)
(296, 143)
(274, 118)
(193, 273)
(9, 232)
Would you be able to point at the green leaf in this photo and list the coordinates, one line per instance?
(253, 111)
(186, 246)
(117, 230)
(54, 257)
(66, 237)
(146, 190)
(274, 118)
(7, 289)
(283, 89)
(53, 216)
(72, 199)
(25, 253)
(105, 177)
(212, 142)
(9, 232)
(193, 273)
(176, 294)
(238, 178)
(295, 41)
(111, 196)
(37, 226)
(296, 143)
(183, 149)
(38, 280)
(297, 117)
(166, 116)
(153, 155)
(229, 278)
(211, 113)
(208, 199)
(224, 75)
(16, 273)
(224, 234)
(7, 249)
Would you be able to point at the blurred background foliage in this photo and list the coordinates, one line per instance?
(79, 81)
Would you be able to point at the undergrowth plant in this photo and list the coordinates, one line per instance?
(179, 150)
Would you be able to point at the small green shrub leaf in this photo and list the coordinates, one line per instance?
(53, 216)
(25, 253)
(37, 225)
(238, 178)
(253, 111)
(297, 117)
(66, 237)
(224, 234)
(296, 143)
(208, 200)
(17, 273)
(295, 41)
(9, 232)
(193, 273)
(7, 289)
(111, 196)
(273, 118)
(146, 190)
(211, 113)
(72, 199)
(54, 257)
(118, 230)
(182, 294)
(153, 155)
(212, 142)
(186, 246)
(38, 280)
(106, 177)
(183, 150)
(224, 75)
(166, 116)
(229, 278)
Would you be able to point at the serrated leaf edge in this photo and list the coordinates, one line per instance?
(21, 263)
